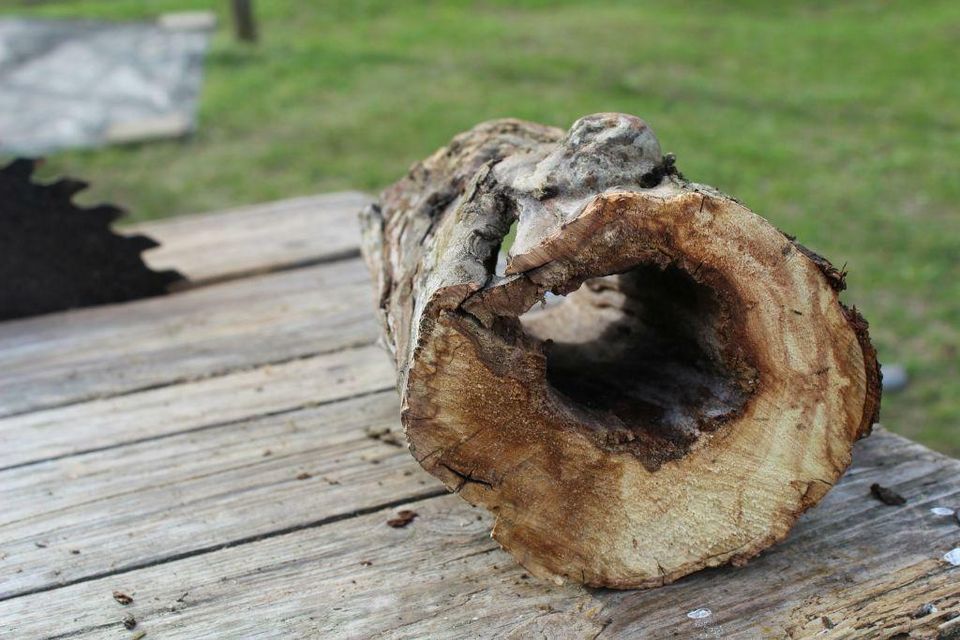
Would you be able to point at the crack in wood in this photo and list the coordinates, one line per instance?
(466, 478)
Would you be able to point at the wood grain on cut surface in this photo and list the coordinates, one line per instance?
(104, 351)
(442, 577)
(249, 240)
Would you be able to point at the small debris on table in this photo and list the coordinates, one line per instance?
(129, 621)
(827, 622)
(303, 476)
(122, 598)
(924, 610)
(393, 440)
(386, 436)
(75, 552)
(366, 563)
(41, 545)
(699, 614)
(402, 519)
(138, 635)
(887, 496)
(941, 511)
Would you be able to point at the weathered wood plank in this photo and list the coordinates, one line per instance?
(442, 577)
(106, 351)
(135, 417)
(250, 240)
(140, 504)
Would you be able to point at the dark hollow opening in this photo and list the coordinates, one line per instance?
(643, 356)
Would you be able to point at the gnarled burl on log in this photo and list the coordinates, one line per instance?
(699, 386)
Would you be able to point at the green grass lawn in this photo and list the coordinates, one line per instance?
(840, 122)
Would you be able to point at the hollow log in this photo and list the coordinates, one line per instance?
(655, 382)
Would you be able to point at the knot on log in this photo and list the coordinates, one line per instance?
(656, 381)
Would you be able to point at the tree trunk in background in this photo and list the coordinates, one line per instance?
(699, 386)
(243, 20)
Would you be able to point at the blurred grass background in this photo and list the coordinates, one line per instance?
(840, 122)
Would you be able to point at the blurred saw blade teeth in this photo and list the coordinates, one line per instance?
(55, 255)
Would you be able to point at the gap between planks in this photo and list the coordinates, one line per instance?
(61, 359)
(229, 544)
(287, 234)
(181, 407)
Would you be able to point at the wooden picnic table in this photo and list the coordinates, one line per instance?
(219, 455)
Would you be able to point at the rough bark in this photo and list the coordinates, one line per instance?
(699, 386)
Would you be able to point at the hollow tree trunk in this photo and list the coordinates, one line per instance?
(697, 389)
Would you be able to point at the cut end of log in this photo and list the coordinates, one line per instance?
(659, 381)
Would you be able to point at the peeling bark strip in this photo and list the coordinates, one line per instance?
(697, 389)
